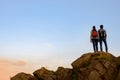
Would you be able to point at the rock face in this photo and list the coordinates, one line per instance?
(44, 74)
(96, 66)
(64, 73)
(90, 66)
(23, 76)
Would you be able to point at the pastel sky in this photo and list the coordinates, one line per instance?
(52, 33)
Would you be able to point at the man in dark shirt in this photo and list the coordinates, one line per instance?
(102, 38)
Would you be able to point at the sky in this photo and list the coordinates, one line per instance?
(52, 33)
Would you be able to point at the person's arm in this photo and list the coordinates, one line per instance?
(91, 36)
(105, 34)
(98, 35)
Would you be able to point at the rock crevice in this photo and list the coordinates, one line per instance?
(90, 66)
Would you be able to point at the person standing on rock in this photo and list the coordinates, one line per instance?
(102, 38)
(94, 39)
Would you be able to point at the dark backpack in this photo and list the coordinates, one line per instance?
(94, 33)
(102, 34)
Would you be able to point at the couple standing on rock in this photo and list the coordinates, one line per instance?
(98, 36)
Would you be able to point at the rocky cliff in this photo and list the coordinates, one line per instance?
(90, 66)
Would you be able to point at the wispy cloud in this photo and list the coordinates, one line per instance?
(20, 63)
(48, 45)
(9, 68)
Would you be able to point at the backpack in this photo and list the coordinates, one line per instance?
(102, 33)
(94, 33)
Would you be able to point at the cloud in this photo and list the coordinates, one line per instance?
(13, 62)
(48, 45)
(20, 63)
(9, 68)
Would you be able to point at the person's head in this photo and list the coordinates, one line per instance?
(101, 26)
(94, 28)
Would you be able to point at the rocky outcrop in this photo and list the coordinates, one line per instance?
(44, 74)
(64, 73)
(96, 66)
(90, 66)
(118, 62)
(23, 76)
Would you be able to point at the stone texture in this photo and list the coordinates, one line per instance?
(94, 75)
(23, 76)
(44, 74)
(64, 73)
(96, 66)
(90, 66)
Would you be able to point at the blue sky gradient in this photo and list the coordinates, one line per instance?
(54, 33)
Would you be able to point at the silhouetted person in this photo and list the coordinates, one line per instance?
(94, 39)
(102, 38)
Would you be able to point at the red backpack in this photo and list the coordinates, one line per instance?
(94, 33)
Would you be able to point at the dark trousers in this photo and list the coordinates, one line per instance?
(105, 43)
(95, 45)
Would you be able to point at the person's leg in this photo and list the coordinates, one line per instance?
(101, 49)
(97, 45)
(93, 41)
(105, 42)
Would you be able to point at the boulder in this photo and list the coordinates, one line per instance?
(96, 66)
(90, 66)
(44, 74)
(64, 73)
(118, 62)
(23, 76)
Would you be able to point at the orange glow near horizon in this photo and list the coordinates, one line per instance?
(9, 68)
